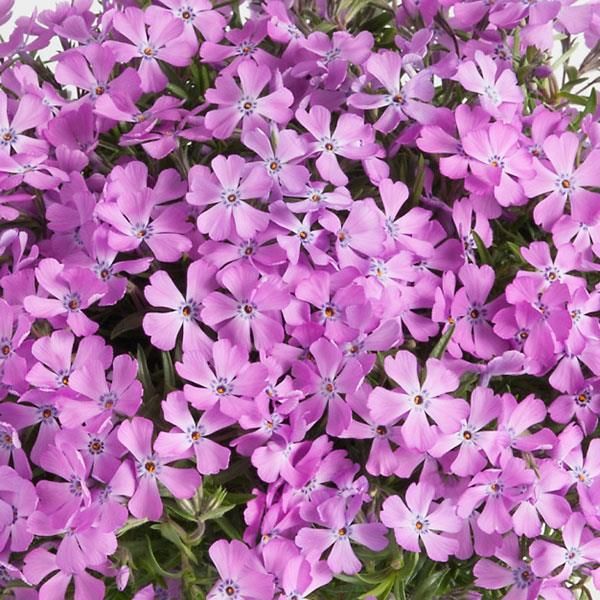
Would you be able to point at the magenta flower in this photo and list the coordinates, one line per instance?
(18, 499)
(152, 467)
(161, 42)
(134, 220)
(352, 138)
(404, 97)
(255, 308)
(499, 490)
(185, 311)
(339, 530)
(245, 103)
(229, 384)
(473, 315)
(499, 162)
(516, 574)
(190, 435)
(421, 519)
(241, 573)
(561, 180)
(470, 438)
(500, 94)
(227, 189)
(98, 397)
(30, 113)
(420, 401)
(334, 376)
(195, 14)
(579, 547)
(73, 290)
(280, 159)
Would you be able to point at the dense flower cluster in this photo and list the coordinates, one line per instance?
(344, 280)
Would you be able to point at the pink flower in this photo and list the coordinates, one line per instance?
(421, 519)
(352, 138)
(227, 189)
(420, 401)
(152, 467)
(245, 103)
(255, 308)
(339, 530)
(560, 180)
(30, 113)
(74, 289)
(161, 42)
(499, 95)
(241, 573)
(185, 311)
(190, 435)
(229, 383)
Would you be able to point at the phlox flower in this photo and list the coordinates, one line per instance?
(152, 467)
(420, 519)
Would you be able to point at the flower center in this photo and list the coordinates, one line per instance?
(96, 446)
(5, 349)
(418, 400)
(150, 466)
(381, 430)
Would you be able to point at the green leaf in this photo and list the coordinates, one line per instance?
(168, 372)
(382, 590)
(144, 373)
(482, 251)
(419, 180)
(177, 91)
(154, 564)
(129, 323)
(131, 524)
(442, 344)
(175, 534)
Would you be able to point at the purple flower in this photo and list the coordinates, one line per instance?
(420, 400)
(185, 311)
(421, 519)
(190, 434)
(151, 467)
(339, 530)
(30, 113)
(227, 189)
(73, 290)
(245, 103)
(241, 573)
(352, 138)
(161, 42)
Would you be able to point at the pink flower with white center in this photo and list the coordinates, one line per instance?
(579, 547)
(422, 401)
(189, 436)
(470, 438)
(160, 42)
(280, 158)
(242, 574)
(334, 375)
(362, 233)
(339, 531)
(229, 383)
(352, 138)
(195, 14)
(499, 162)
(584, 404)
(227, 188)
(332, 295)
(135, 219)
(99, 396)
(499, 490)
(245, 103)
(30, 113)
(559, 180)
(60, 500)
(164, 327)
(18, 499)
(74, 289)
(473, 314)
(253, 308)
(405, 96)
(422, 520)
(500, 94)
(152, 467)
